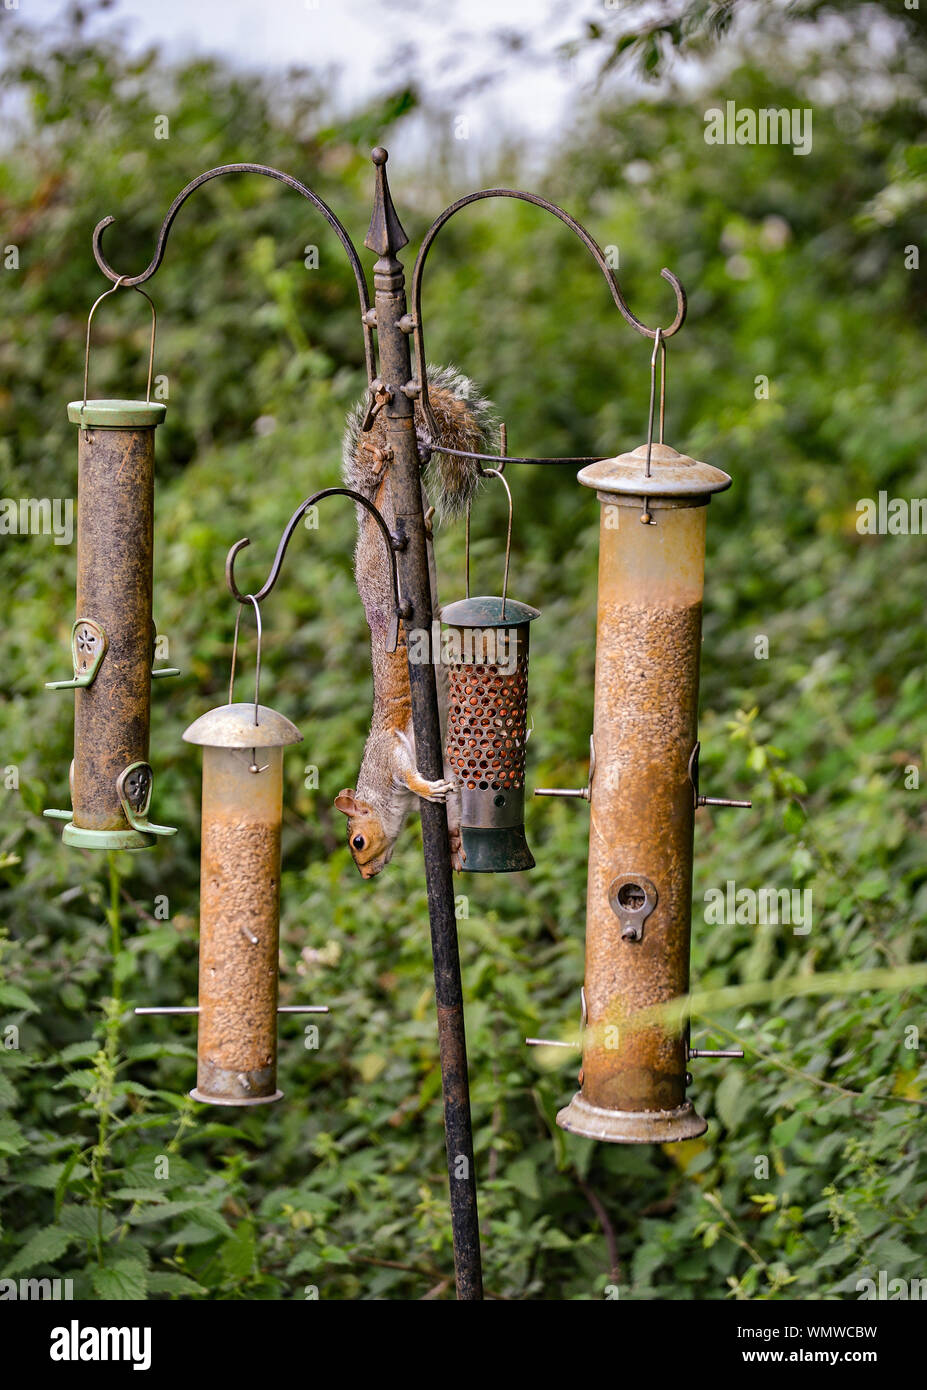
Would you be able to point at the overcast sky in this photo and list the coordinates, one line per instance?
(456, 42)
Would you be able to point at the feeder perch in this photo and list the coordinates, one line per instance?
(642, 794)
(240, 901)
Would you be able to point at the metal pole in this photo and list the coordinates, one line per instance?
(398, 391)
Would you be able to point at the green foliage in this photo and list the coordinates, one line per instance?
(795, 268)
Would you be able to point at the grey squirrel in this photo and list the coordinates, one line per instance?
(389, 782)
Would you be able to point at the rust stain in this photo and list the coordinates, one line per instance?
(125, 456)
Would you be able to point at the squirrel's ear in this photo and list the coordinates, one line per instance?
(345, 802)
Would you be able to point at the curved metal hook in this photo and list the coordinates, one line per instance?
(151, 347)
(401, 610)
(133, 281)
(588, 241)
(492, 473)
(257, 665)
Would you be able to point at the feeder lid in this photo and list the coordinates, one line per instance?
(487, 612)
(116, 415)
(671, 475)
(233, 726)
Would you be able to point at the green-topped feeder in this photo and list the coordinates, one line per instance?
(113, 635)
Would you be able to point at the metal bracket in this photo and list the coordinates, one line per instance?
(708, 800)
(194, 1009)
(88, 648)
(133, 786)
(585, 793)
(707, 1051)
(632, 898)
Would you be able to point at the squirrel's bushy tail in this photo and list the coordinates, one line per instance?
(465, 419)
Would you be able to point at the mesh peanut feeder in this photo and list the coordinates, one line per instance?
(485, 646)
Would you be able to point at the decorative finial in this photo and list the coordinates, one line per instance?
(384, 235)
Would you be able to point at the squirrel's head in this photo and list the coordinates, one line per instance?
(367, 840)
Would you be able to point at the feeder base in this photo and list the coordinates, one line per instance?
(631, 1126)
(102, 839)
(196, 1094)
(497, 851)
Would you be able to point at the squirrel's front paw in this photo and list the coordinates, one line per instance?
(437, 791)
(458, 855)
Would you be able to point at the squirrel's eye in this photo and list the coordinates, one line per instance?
(358, 842)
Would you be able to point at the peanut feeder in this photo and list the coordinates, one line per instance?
(240, 901)
(485, 645)
(485, 648)
(642, 793)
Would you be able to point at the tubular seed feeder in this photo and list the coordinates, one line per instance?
(642, 797)
(644, 765)
(240, 901)
(113, 637)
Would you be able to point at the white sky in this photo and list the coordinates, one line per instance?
(454, 39)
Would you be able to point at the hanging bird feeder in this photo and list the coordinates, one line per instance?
(242, 813)
(642, 791)
(485, 648)
(113, 637)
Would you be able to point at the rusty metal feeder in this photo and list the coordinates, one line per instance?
(643, 793)
(485, 648)
(113, 637)
(242, 813)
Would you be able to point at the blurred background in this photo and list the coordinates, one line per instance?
(800, 371)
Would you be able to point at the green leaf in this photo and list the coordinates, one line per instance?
(731, 1098)
(647, 1260)
(12, 1139)
(49, 1175)
(79, 1051)
(126, 1279)
(784, 1132)
(239, 1253)
(160, 1212)
(168, 1282)
(82, 1221)
(16, 998)
(43, 1248)
(523, 1174)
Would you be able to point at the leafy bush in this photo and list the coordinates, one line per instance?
(110, 1175)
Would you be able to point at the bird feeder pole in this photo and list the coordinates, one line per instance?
(397, 390)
